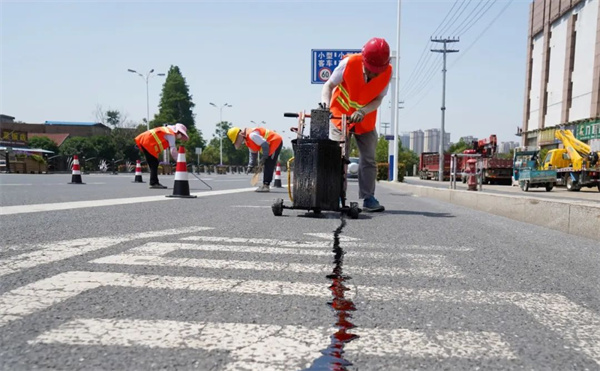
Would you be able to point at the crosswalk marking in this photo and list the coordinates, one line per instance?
(60, 250)
(580, 326)
(281, 347)
(321, 244)
(328, 236)
(425, 266)
(164, 248)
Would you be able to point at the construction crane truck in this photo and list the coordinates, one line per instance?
(576, 164)
(495, 170)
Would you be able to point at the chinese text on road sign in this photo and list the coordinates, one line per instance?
(324, 62)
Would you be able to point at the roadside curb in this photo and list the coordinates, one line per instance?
(573, 217)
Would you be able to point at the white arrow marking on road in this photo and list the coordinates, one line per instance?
(277, 347)
(60, 250)
(23, 209)
(329, 236)
(574, 323)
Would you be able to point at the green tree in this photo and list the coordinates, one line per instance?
(175, 102)
(79, 146)
(459, 147)
(113, 118)
(381, 151)
(43, 143)
(285, 155)
(210, 155)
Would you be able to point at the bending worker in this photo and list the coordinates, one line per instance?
(154, 141)
(356, 88)
(259, 140)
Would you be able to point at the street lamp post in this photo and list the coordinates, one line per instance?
(147, 94)
(221, 128)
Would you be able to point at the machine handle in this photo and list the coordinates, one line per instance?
(291, 114)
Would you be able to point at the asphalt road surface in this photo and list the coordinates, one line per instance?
(111, 275)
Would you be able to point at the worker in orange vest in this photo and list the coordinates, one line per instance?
(356, 88)
(259, 140)
(154, 141)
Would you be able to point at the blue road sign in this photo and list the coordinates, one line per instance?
(324, 61)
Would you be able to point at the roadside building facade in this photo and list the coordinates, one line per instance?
(562, 87)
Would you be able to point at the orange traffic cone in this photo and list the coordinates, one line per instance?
(138, 173)
(76, 175)
(277, 183)
(181, 188)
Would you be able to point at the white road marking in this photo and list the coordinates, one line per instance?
(60, 250)
(329, 236)
(426, 265)
(321, 244)
(281, 347)
(579, 326)
(23, 209)
(164, 248)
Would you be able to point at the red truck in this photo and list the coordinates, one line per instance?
(429, 166)
(495, 170)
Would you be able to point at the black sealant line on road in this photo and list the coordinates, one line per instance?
(333, 355)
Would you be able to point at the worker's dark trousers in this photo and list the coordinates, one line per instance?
(270, 165)
(153, 165)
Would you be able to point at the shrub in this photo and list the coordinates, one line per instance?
(383, 170)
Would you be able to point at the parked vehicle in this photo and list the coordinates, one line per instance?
(527, 172)
(495, 170)
(429, 166)
(352, 171)
(576, 164)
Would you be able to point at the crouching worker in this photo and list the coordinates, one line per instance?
(154, 141)
(262, 140)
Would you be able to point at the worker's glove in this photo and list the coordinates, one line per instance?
(249, 169)
(357, 116)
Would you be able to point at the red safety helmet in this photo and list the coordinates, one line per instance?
(376, 55)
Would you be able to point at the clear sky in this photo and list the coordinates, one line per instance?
(60, 59)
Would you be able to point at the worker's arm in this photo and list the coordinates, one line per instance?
(172, 146)
(336, 78)
(259, 140)
(252, 159)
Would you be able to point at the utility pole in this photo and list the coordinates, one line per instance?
(442, 133)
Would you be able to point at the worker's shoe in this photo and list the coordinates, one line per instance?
(263, 188)
(157, 186)
(371, 204)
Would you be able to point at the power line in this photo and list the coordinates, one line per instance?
(461, 31)
(467, 17)
(484, 31)
(450, 24)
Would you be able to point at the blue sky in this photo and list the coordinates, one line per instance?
(60, 59)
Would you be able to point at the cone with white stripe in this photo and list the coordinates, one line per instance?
(76, 172)
(138, 173)
(277, 182)
(181, 188)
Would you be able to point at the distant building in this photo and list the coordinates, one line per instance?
(6, 118)
(468, 139)
(431, 142)
(505, 147)
(562, 86)
(405, 139)
(416, 141)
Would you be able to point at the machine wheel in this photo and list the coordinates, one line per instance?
(525, 185)
(354, 211)
(317, 211)
(277, 207)
(571, 185)
(549, 187)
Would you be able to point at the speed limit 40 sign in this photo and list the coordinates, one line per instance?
(324, 61)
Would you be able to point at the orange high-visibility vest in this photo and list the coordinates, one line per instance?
(154, 140)
(271, 137)
(354, 93)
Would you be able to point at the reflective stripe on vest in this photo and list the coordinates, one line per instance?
(158, 141)
(347, 102)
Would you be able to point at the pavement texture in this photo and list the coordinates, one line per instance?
(219, 283)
